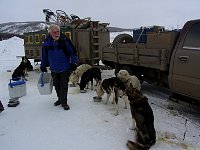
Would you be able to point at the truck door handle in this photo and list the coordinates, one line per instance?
(184, 58)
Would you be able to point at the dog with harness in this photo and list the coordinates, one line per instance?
(110, 86)
(143, 115)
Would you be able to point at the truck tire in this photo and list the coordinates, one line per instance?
(122, 38)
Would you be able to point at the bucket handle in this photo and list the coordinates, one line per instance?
(13, 80)
(10, 83)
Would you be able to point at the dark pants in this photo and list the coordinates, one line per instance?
(60, 81)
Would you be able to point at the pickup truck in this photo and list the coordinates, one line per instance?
(167, 58)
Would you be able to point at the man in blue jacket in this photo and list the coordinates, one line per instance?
(60, 55)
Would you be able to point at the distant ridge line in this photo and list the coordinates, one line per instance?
(19, 28)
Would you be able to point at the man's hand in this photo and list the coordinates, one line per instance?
(73, 66)
(43, 69)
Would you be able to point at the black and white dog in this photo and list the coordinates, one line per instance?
(88, 76)
(112, 85)
(19, 72)
(22, 69)
(27, 63)
(144, 119)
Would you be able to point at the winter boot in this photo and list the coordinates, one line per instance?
(57, 103)
(64, 105)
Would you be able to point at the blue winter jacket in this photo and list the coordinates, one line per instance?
(58, 54)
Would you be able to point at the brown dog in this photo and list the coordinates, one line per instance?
(144, 118)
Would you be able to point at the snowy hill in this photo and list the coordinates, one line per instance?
(23, 27)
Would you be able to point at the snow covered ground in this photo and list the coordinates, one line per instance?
(35, 124)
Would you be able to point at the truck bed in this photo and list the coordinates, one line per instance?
(155, 53)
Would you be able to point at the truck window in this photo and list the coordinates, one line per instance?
(26, 39)
(43, 37)
(37, 52)
(192, 40)
(31, 53)
(37, 40)
(31, 39)
(68, 34)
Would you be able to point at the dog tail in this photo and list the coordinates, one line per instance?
(136, 146)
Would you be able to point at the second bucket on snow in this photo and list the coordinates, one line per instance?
(45, 83)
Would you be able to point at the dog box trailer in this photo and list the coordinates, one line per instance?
(88, 36)
(167, 58)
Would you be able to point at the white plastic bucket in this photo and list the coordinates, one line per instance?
(45, 83)
(17, 88)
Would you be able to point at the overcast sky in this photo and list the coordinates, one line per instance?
(119, 13)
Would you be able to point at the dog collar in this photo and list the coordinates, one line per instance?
(126, 81)
(139, 100)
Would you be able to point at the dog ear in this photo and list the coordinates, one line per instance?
(99, 84)
(131, 85)
(126, 74)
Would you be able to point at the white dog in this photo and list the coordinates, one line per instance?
(75, 75)
(126, 78)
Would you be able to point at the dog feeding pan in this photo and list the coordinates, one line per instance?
(83, 91)
(97, 99)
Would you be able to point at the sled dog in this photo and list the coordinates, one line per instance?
(88, 76)
(143, 115)
(125, 77)
(109, 86)
(75, 75)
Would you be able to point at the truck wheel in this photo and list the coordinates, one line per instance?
(122, 38)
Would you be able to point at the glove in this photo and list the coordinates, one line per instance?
(43, 69)
(73, 66)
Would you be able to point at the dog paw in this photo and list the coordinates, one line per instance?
(83, 91)
(72, 85)
(116, 113)
(97, 99)
(132, 128)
